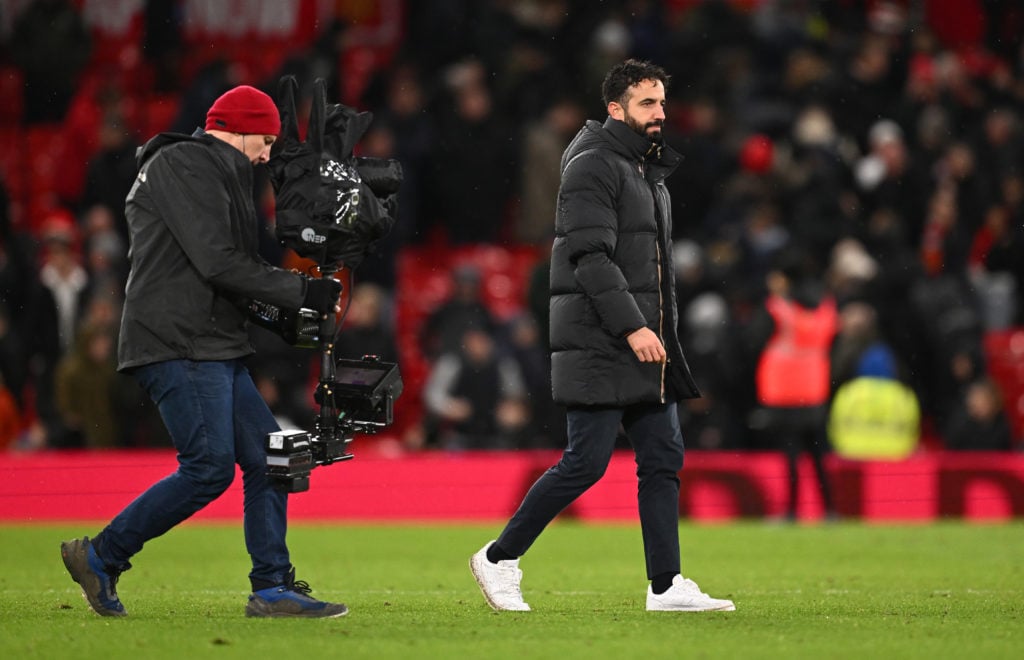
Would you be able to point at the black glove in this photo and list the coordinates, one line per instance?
(322, 294)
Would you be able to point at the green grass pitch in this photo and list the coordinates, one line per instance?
(848, 590)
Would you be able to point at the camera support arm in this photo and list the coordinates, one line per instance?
(329, 430)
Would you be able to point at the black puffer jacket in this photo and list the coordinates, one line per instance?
(194, 254)
(611, 271)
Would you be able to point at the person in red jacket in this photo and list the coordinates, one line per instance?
(799, 320)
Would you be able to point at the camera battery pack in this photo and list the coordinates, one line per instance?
(290, 458)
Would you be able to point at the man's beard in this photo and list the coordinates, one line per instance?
(641, 129)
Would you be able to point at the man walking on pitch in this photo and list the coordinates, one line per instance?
(194, 265)
(616, 359)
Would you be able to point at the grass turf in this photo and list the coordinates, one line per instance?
(832, 591)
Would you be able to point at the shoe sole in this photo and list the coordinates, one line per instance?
(70, 552)
(723, 608)
(288, 615)
(480, 583)
(264, 613)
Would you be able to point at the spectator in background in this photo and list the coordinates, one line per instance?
(367, 329)
(475, 160)
(477, 396)
(545, 140)
(51, 46)
(62, 273)
(403, 111)
(884, 178)
(380, 265)
(442, 331)
(978, 421)
(949, 347)
(793, 334)
(61, 303)
(859, 349)
(321, 59)
(84, 386)
(873, 415)
(546, 418)
(996, 268)
(213, 79)
(162, 43)
(707, 333)
(705, 164)
(111, 173)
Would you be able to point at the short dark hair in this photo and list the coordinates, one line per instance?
(623, 76)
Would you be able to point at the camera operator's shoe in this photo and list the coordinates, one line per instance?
(291, 599)
(499, 582)
(685, 596)
(99, 585)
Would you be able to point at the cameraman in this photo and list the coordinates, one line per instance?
(194, 265)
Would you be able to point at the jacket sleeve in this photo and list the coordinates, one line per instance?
(589, 211)
(189, 190)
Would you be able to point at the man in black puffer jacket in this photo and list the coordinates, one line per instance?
(194, 268)
(616, 359)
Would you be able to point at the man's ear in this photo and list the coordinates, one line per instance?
(615, 111)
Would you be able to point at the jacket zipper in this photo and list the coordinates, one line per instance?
(661, 298)
(661, 323)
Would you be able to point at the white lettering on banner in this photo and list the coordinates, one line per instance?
(111, 16)
(236, 18)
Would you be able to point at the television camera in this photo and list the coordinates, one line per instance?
(332, 207)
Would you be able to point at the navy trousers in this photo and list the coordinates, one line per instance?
(653, 431)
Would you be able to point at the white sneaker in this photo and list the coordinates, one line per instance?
(685, 596)
(499, 582)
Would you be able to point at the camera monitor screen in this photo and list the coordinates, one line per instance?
(360, 376)
(365, 377)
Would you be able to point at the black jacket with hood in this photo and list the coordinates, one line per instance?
(193, 254)
(611, 271)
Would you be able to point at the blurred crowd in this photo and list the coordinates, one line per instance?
(879, 140)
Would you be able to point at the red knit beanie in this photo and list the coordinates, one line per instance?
(244, 109)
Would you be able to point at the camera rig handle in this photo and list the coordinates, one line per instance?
(332, 437)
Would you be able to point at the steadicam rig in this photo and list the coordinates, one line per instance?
(331, 207)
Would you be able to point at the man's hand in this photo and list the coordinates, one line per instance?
(646, 345)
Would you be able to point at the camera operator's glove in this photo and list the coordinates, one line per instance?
(325, 210)
(322, 294)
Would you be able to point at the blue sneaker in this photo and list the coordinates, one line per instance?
(98, 585)
(291, 599)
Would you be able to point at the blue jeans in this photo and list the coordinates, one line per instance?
(216, 418)
(653, 431)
